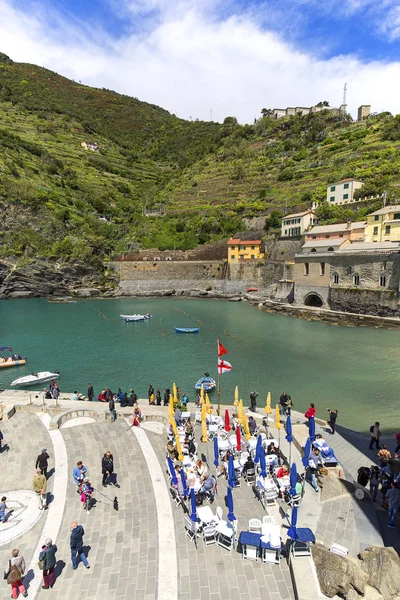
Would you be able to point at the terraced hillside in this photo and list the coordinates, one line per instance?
(78, 164)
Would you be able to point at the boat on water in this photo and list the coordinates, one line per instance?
(187, 329)
(10, 361)
(133, 318)
(62, 300)
(35, 378)
(206, 382)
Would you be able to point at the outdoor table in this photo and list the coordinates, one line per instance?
(187, 461)
(268, 484)
(250, 543)
(237, 465)
(185, 416)
(206, 515)
(252, 443)
(223, 445)
(271, 458)
(241, 461)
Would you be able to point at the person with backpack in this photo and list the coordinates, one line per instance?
(375, 435)
(107, 468)
(16, 569)
(47, 558)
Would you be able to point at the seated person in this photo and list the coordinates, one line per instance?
(189, 445)
(271, 449)
(252, 425)
(77, 396)
(200, 468)
(282, 472)
(207, 485)
(120, 395)
(102, 396)
(178, 486)
(137, 412)
(189, 428)
(124, 401)
(249, 464)
(47, 394)
(171, 452)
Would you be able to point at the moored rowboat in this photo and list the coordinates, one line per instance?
(187, 329)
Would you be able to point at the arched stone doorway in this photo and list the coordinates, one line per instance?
(313, 299)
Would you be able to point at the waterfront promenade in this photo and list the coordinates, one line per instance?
(142, 551)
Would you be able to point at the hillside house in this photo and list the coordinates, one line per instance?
(297, 223)
(342, 192)
(240, 249)
(384, 225)
(353, 231)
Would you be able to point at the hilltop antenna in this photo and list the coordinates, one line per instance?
(211, 114)
(344, 103)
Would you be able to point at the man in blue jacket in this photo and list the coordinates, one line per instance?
(79, 473)
(76, 544)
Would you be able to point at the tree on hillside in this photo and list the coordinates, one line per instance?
(230, 121)
(322, 103)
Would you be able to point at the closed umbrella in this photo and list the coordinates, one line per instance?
(216, 456)
(174, 478)
(236, 401)
(277, 417)
(293, 479)
(240, 412)
(268, 410)
(238, 440)
(307, 450)
(208, 405)
(179, 447)
(292, 532)
(227, 422)
(246, 427)
(204, 423)
(259, 449)
(263, 464)
(231, 472)
(201, 396)
(229, 501)
(311, 431)
(289, 436)
(184, 482)
(193, 514)
(172, 422)
(171, 408)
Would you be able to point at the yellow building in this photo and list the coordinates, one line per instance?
(239, 250)
(383, 225)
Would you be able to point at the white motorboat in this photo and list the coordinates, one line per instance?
(130, 318)
(35, 378)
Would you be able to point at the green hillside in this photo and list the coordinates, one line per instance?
(62, 201)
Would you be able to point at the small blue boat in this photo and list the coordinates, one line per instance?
(207, 383)
(187, 329)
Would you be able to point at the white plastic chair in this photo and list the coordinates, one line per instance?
(226, 533)
(255, 525)
(219, 513)
(267, 519)
(191, 528)
(250, 476)
(209, 534)
(198, 416)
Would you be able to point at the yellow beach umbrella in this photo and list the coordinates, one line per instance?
(267, 407)
(174, 393)
(208, 405)
(204, 431)
(201, 396)
(171, 409)
(240, 412)
(174, 427)
(179, 447)
(277, 417)
(246, 427)
(236, 401)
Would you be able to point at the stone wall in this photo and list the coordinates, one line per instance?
(278, 248)
(382, 303)
(168, 270)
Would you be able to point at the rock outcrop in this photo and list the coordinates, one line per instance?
(374, 576)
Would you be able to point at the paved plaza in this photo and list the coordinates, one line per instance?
(142, 550)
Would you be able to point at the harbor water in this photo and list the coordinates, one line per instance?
(355, 370)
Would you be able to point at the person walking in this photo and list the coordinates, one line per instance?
(107, 469)
(40, 489)
(158, 398)
(111, 408)
(90, 392)
(16, 570)
(289, 406)
(79, 474)
(332, 419)
(393, 498)
(76, 544)
(310, 413)
(375, 435)
(42, 462)
(374, 482)
(3, 510)
(48, 555)
(253, 401)
(384, 456)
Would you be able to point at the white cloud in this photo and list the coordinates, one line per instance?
(190, 63)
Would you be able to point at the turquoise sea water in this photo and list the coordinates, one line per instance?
(354, 370)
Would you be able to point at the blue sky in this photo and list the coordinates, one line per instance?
(231, 56)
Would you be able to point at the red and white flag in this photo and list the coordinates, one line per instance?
(224, 366)
(221, 349)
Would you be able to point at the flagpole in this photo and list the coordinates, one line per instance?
(218, 382)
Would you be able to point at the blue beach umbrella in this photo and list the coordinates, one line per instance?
(216, 451)
(193, 514)
(231, 473)
(307, 450)
(311, 431)
(229, 501)
(258, 449)
(293, 479)
(174, 479)
(289, 436)
(262, 463)
(184, 482)
(292, 532)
